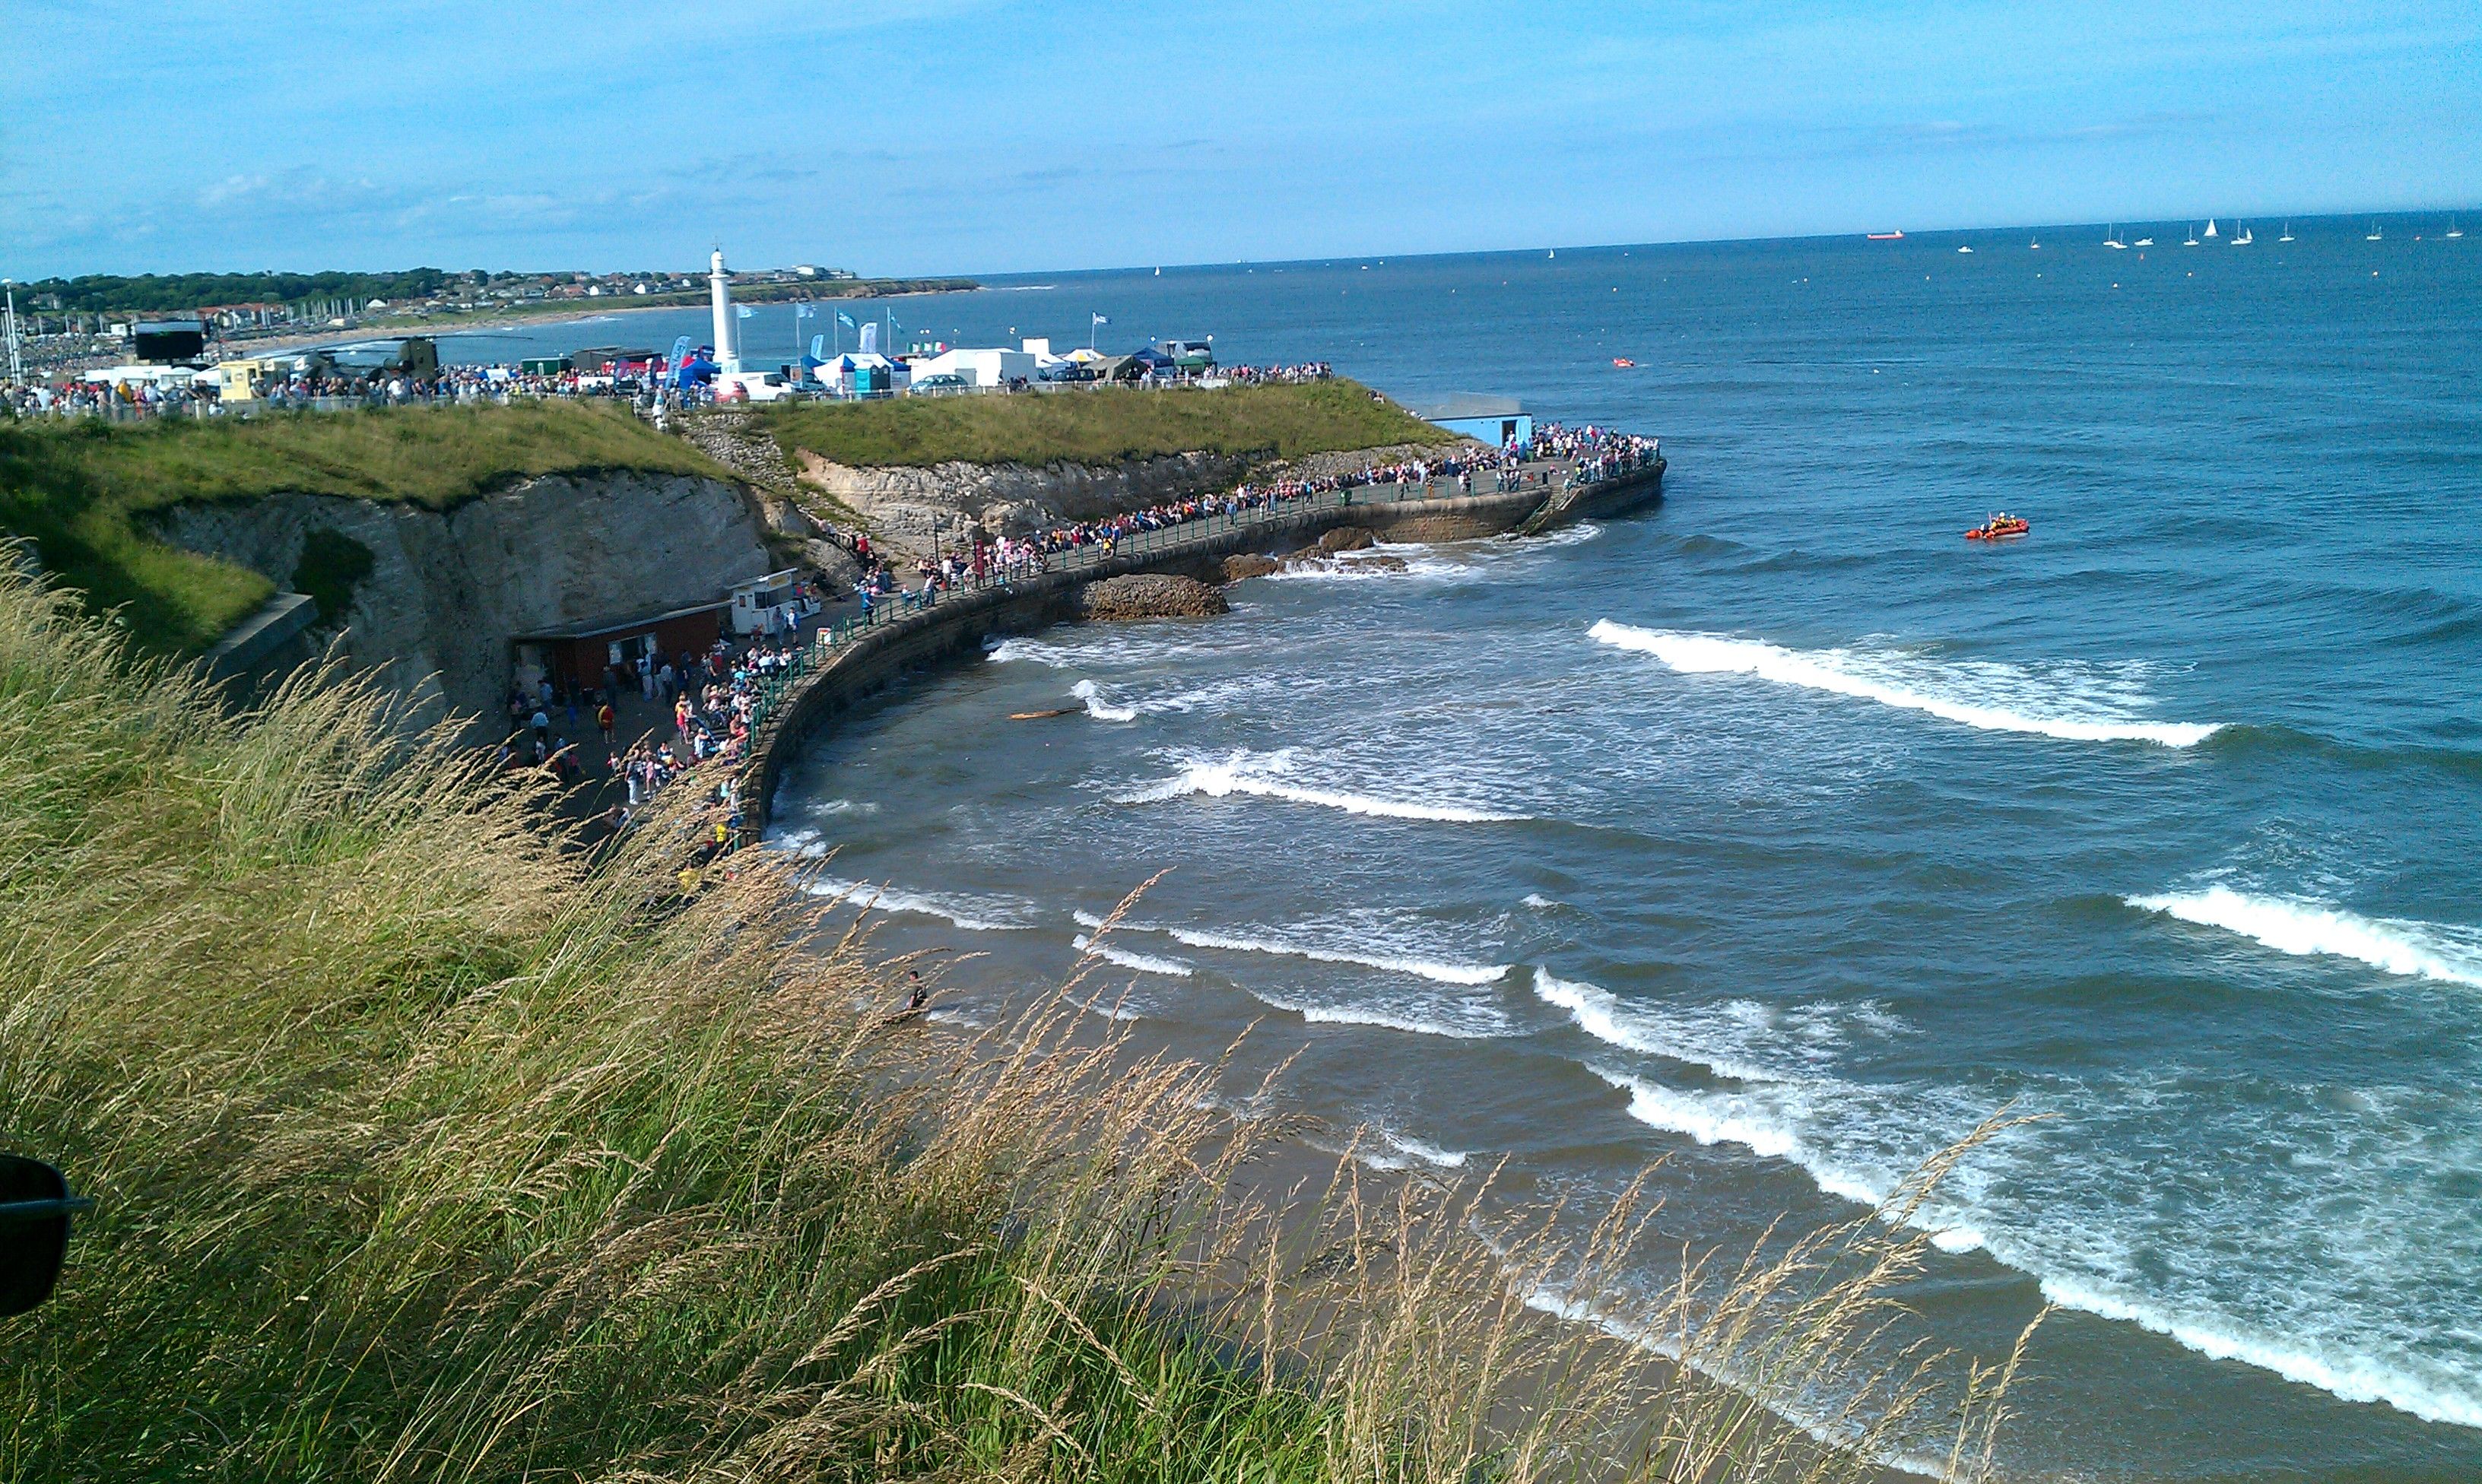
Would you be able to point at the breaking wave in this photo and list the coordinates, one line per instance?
(1098, 707)
(974, 914)
(1262, 775)
(1385, 1018)
(1420, 967)
(2425, 951)
(1996, 698)
(1172, 968)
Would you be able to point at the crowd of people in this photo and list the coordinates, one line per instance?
(1594, 453)
(1270, 376)
(318, 385)
(711, 695)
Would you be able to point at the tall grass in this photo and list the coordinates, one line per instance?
(82, 488)
(425, 1150)
(1100, 426)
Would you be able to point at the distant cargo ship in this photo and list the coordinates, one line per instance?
(1883, 236)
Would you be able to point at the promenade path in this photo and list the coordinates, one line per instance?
(851, 656)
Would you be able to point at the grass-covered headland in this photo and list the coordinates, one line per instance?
(1101, 424)
(424, 1151)
(80, 488)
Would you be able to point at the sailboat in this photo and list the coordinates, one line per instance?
(2143, 241)
(2193, 238)
(2287, 233)
(2453, 230)
(2243, 238)
(2111, 240)
(2374, 231)
(1964, 250)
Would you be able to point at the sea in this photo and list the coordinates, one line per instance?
(1779, 835)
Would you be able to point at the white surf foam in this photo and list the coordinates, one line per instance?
(1539, 902)
(2416, 950)
(1383, 1017)
(2340, 1372)
(1422, 968)
(1262, 775)
(974, 914)
(1908, 685)
(1009, 651)
(1427, 1153)
(1172, 968)
(1743, 1039)
(1420, 562)
(1804, 1123)
(1098, 707)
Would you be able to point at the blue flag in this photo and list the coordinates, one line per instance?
(680, 352)
(744, 310)
(846, 319)
(1102, 318)
(818, 348)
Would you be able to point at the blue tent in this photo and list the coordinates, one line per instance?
(693, 373)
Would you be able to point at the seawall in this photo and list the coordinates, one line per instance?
(856, 669)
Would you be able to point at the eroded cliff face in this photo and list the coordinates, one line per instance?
(908, 506)
(446, 592)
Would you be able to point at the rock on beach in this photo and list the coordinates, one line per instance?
(1150, 595)
(1249, 564)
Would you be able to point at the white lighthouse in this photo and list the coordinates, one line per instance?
(727, 357)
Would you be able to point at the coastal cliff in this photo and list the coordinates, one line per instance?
(445, 590)
(908, 506)
(954, 499)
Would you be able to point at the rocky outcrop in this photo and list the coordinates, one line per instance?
(1249, 564)
(739, 439)
(1346, 538)
(446, 590)
(949, 502)
(1150, 595)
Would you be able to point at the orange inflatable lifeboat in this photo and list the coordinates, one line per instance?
(1999, 528)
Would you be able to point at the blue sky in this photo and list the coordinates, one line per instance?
(989, 136)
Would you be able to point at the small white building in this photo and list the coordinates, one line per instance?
(985, 369)
(766, 604)
(863, 373)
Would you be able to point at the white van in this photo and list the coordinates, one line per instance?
(752, 386)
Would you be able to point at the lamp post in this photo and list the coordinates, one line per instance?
(16, 366)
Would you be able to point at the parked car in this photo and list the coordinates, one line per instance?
(942, 382)
(1070, 371)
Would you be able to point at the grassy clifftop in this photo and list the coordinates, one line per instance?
(79, 488)
(1100, 426)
